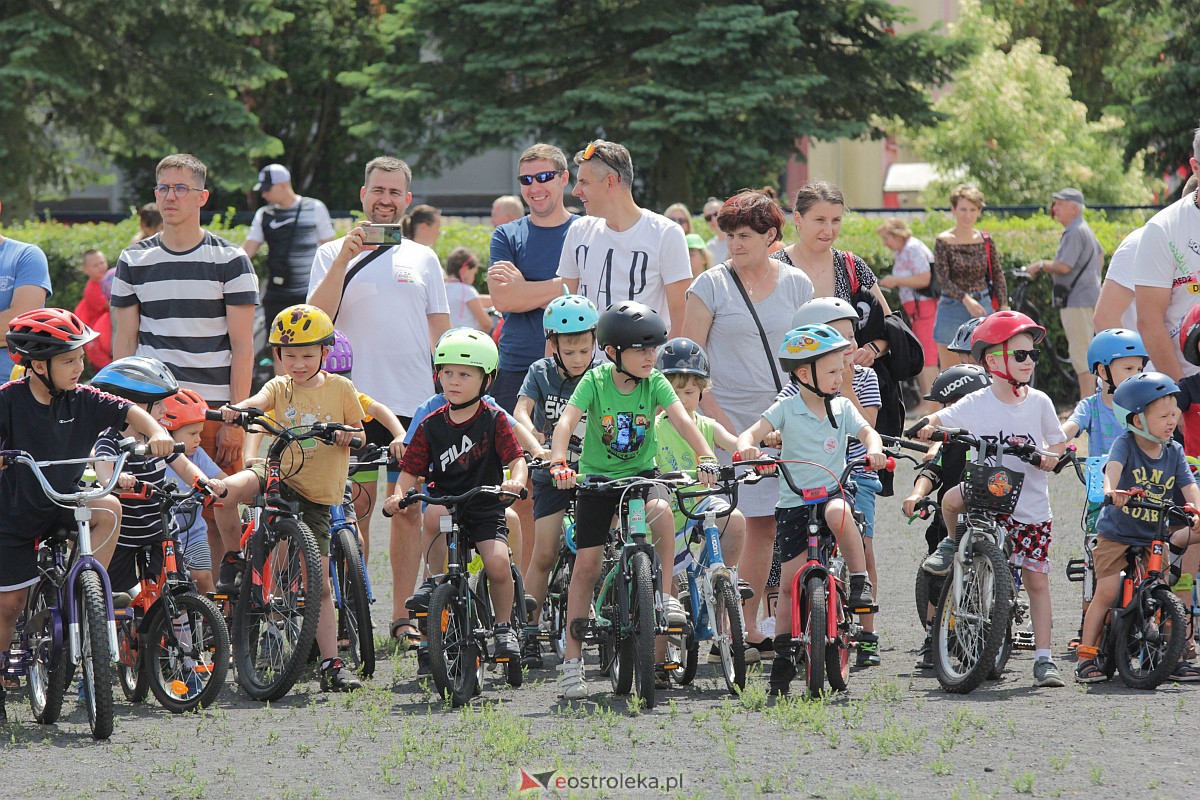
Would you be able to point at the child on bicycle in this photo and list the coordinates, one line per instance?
(814, 426)
(620, 400)
(570, 327)
(1143, 457)
(316, 477)
(183, 415)
(1011, 409)
(468, 442)
(50, 416)
(146, 382)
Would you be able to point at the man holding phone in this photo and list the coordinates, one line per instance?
(390, 302)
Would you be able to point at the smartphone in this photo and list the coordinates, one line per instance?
(382, 234)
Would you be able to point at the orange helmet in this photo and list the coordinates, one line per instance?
(183, 408)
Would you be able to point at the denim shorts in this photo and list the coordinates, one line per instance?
(868, 486)
(951, 314)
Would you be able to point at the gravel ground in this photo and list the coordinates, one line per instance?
(894, 734)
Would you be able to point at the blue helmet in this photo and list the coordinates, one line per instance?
(808, 343)
(1133, 396)
(137, 378)
(1112, 344)
(571, 313)
(682, 356)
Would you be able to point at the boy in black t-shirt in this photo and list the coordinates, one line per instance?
(464, 444)
(50, 416)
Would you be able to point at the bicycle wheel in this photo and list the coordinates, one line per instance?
(730, 634)
(837, 652)
(131, 667)
(1002, 654)
(923, 590)
(48, 676)
(641, 612)
(355, 627)
(187, 656)
(512, 670)
(554, 609)
(454, 657)
(93, 646)
(1150, 638)
(813, 635)
(275, 619)
(620, 637)
(968, 635)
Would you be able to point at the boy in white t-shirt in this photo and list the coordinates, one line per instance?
(1009, 408)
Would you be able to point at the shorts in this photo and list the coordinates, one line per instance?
(193, 552)
(593, 515)
(923, 314)
(122, 570)
(1079, 329)
(1031, 543)
(377, 434)
(314, 515)
(683, 553)
(18, 553)
(548, 499)
(1109, 558)
(482, 523)
(951, 314)
(867, 488)
(791, 526)
(506, 387)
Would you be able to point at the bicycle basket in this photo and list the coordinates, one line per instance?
(993, 489)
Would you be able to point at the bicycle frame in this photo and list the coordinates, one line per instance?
(339, 520)
(631, 539)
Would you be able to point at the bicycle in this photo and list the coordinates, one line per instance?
(1057, 369)
(1083, 570)
(461, 614)
(276, 611)
(1145, 633)
(68, 619)
(714, 610)
(171, 640)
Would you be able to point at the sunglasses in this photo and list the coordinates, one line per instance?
(540, 177)
(1021, 355)
(709, 217)
(590, 151)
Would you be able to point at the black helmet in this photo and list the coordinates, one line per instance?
(957, 382)
(682, 356)
(629, 325)
(137, 378)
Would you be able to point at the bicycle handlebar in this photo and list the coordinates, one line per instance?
(1026, 452)
(781, 464)
(459, 499)
(1182, 514)
(128, 447)
(372, 457)
(255, 420)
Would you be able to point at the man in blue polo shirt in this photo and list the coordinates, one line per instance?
(25, 278)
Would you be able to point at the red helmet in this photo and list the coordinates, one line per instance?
(1001, 326)
(183, 408)
(44, 333)
(1189, 335)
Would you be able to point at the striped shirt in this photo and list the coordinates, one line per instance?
(181, 299)
(141, 520)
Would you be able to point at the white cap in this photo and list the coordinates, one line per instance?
(271, 175)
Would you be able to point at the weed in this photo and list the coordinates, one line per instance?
(1060, 762)
(1096, 775)
(941, 767)
(895, 738)
(1023, 783)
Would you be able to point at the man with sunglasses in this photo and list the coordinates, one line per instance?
(718, 245)
(524, 262)
(621, 251)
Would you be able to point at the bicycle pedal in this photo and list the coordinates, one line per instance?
(501, 659)
(219, 597)
(670, 665)
(1076, 570)
(421, 615)
(678, 630)
(865, 610)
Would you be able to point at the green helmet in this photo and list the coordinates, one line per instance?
(467, 346)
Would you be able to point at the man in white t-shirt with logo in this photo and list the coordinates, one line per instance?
(621, 251)
(391, 304)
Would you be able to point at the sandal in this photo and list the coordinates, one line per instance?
(408, 639)
(1087, 671)
(1184, 673)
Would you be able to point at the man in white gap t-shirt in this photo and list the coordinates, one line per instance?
(621, 251)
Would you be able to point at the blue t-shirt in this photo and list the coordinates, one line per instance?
(433, 404)
(1100, 422)
(193, 524)
(535, 251)
(1162, 478)
(24, 264)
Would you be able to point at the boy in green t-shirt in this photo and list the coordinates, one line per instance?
(620, 400)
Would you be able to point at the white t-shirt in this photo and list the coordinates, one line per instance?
(1168, 257)
(384, 314)
(1030, 421)
(635, 264)
(458, 294)
(1122, 270)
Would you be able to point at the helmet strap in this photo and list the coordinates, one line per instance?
(1144, 431)
(483, 387)
(46, 380)
(1013, 382)
(617, 363)
(826, 396)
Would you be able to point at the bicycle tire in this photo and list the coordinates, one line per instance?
(813, 608)
(354, 615)
(93, 645)
(554, 609)
(131, 668)
(621, 650)
(1002, 654)
(454, 657)
(730, 635)
(191, 672)
(1105, 661)
(923, 587)
(642, 614)
(837, 652)
(290, 607)
(965, 654)
(47, 681)
(1146, 653)
(512, 670)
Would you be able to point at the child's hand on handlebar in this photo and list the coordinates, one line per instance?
(1047, 462)
(773, 439)
(909, 506)
(216, 487)
(876, 461)
(126, 482)
(392, 504)
(562, 475)
(396, 448)
(510, 485)
(343, 438)
(230, 413)
(161, 444)
(926, 433)
(1117, 498)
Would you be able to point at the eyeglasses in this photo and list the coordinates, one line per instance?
(1021, 355)
(679, 220)
(590, 151)
(540, 177)
(181, 190)
(710, 217)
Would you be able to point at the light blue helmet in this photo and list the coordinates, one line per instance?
(1112, 344)
(808, 343)
(571, 313)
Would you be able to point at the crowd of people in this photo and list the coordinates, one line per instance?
(628, 342)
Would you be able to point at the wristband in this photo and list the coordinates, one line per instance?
(708, 465)
(875, 348)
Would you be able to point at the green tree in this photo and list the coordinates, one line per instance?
(129, 81)
(1012, 128)
(709, 95)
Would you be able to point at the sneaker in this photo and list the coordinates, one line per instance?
(860, 592)
(423, 660)
(531, 649)
(783, 672)
(336, 677)
(570, 681)
(505, 640)
(229, 580)
(420, 599)
(1045, 672)
(676, 617)
(868, 650)
(925, 655)
(942, 559)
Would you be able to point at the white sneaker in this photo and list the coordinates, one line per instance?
(570, 681)
(676, 616)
